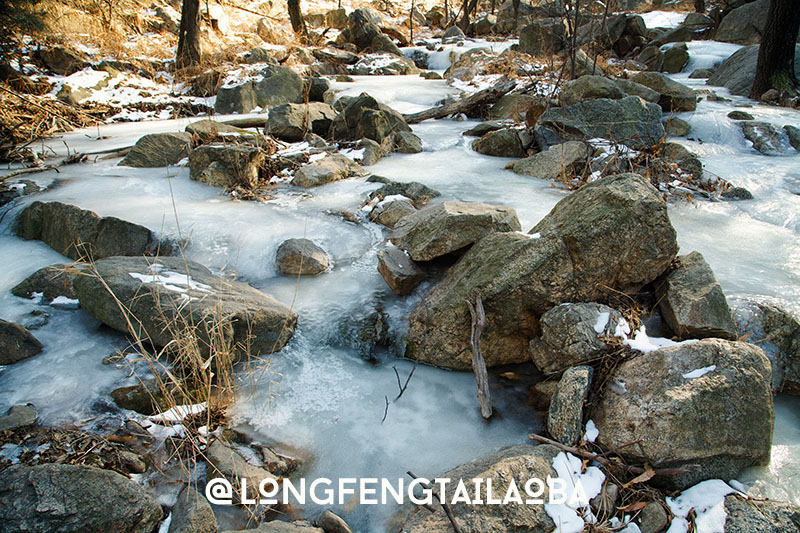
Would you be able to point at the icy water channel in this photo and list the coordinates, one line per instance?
(318, 394)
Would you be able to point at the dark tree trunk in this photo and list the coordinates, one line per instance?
(469, 7)
(298, 24)
(189, 35)
(775, 67)
(515, 3)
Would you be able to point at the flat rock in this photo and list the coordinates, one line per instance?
(16, 343)
(17, 417)
(333, 167)
(156, 291)
(565, 415)
(301, 257)
(60, 497)
(590, 88)
(692, 302)
(158, 150)
(711, 405)
(567, 257)
(399, 270)
(419, 193)
(765, 137)
(450, 226)
(509, 142)
(630, 121)
(559, 162)
(51, 282)
(391, 210)
(77, 233)
(674, 96)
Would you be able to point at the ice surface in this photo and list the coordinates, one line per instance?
(318, 393)
(663, 19)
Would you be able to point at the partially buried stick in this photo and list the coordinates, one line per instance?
(478, 363)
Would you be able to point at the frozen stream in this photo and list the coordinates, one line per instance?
(318, 394)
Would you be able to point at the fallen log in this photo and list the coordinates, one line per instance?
(465, 105)
(254, 122)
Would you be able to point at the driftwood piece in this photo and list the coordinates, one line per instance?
(478, 362)
(605, 462)
(480, 98)
(254, 122)
(446, 506)
(22, 171)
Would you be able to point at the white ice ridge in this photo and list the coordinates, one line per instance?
(172, 281)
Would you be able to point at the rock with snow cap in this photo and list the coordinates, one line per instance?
(156, 292)
(399, 271)
(707, 403)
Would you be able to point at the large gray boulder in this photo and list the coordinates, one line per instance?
(590, 88)
(291, 122)
(158, 150)
(559, 162)
(364, 117)
(760, 516)
(16, 343)
(519, 463)
(765, 137)
(333, 167)
(675, 58)
(630, 121)
(711, 405)
(155, 293)
(571, 336)
(745, 24)
(277, 85)
(692, 302)
(674, 96)
(738, 71)
(565, 414)
(59, 497)
(450, 226)
(78, 233)
(301, 257)
(192, 514)
(363, 27)
(543, 37)
(777, 331)
(509, 142)
(567, 257)
(226, 166)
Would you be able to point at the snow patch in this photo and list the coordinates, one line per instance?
(602, 322)
(591, 432)
(707, 500)
(700, 372)
(172, 281)
(572, 516)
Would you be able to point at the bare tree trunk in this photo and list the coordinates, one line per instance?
(298, 23)
(515, 3)
(411, 23)
(469, 7)
(775, 67)
(189, 35)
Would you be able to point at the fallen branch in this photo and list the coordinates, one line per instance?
(446, 506)
(254, 122)
(605, 462)
(403, 387)
(23, 171)
(480, 98)
(386, 409)
(478, 363)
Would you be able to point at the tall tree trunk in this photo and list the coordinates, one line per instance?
(298, 23)
(775, 67)
(515, 3)
(469, 7)
(189, 35)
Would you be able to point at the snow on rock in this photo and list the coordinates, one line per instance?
(700, 372)
(591, 432)
(178, 413)
(572, 515)
(172, 281)
(602, 322)
(707, 500)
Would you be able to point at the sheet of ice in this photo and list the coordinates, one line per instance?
(708, 54)
(439, 60)
(700, 372)
(572, 516)
(707, 500)
(663, 19)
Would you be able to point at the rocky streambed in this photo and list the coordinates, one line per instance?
(634, 303)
